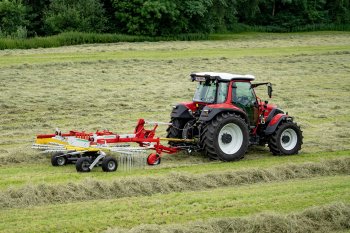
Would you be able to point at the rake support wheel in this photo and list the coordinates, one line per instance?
(109, 164)
(57, 159)
(83, 164)
(153, 159)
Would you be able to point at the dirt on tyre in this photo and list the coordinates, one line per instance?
(286, 140)
(83, 164)
(109, 164)
(58, 159)
(226, 137)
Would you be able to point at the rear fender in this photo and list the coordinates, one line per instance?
(181, 111)
(209, 113)
(275, 122)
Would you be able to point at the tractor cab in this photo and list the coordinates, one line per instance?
(218, 90)
(210, 90)
(225, 116)
(223, 90)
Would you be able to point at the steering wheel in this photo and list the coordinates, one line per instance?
(244, 100)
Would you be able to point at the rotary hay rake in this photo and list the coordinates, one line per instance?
(88, 150)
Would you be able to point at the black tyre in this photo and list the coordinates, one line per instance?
(286, 140)
(83, 164)
(208, 151)
(175, 130)
(226, 137)
(58, 159)
(109, 164)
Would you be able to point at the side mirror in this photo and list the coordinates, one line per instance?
(269, 90)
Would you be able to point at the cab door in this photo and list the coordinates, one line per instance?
(243, 96)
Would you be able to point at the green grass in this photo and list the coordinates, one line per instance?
(327, 218)
(92, 189)
(90, 216)
(234, 53)
(32, 174)
(310, 85)
(77, 38)
(110, 86)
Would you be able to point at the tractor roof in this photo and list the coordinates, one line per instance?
(221, 76)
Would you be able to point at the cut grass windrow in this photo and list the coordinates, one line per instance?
(24, 173)
(282, 197)
(327, 218)
(90, 189)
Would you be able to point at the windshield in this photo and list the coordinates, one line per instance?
(207, 93)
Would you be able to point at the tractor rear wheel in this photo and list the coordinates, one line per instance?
(208, 151)
(109, 164)
(175, 129)
(83, 164)
(286, 140)
(226, 137)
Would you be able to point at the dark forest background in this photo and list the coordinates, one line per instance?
(29, 18)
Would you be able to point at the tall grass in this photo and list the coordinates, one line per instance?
(75, 38)
(280, 29)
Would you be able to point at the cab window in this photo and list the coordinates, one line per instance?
(243, 94)
(222, 92)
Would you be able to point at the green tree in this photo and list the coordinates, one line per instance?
(13, 20)
(146, 17)
(112, 23)
(36, 9)
(339, 11)
(195, 15)
(223, 15)
(164, 17)
(75, 15)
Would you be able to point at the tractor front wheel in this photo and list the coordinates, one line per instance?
(83, 164)
(226, 137)
(286, 140)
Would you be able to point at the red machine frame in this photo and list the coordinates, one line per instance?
(143, 137)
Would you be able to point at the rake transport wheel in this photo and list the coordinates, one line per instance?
(57, 159)
(109, 164)
(286, 140)
(226, 137)
(83, 164)
(175, 130)
(153, 159)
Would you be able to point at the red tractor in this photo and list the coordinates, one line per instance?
(226, 116)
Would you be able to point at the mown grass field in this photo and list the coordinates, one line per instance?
(110, 86)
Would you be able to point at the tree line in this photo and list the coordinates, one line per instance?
(29, 18)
